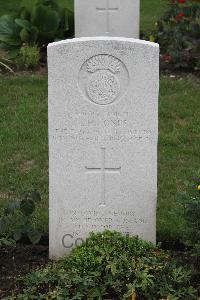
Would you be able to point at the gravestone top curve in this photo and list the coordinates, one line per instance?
(104, 38)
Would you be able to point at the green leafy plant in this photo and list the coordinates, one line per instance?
(9, 35)
(7, 242)
(17, 218)
(29, 56)
(178, 33)
(189, 207)
(111, 266)
(37, 22)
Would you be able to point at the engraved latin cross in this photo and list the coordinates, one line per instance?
(107, 9)
(103, 171)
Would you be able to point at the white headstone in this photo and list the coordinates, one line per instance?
(103, 124)
(120, 18)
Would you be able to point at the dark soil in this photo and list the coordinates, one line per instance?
(16, 262)
(179, 75)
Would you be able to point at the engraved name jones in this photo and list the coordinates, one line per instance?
(97, 127)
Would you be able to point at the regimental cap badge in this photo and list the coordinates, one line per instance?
(103, 78)
(103, 62)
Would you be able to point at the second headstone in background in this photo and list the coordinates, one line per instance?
(120, 18)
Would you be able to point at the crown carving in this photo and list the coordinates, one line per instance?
(103, 62)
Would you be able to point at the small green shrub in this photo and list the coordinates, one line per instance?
(178, 33)
(29, 56)
(7, 242)
(111, 266)
(189, 208)
(17, 219)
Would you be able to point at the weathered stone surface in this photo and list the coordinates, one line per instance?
(120, 18)
(103, 123)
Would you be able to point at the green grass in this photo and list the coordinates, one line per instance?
(151, 10)
(23, 137)
(24, 149)
(179, 147)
